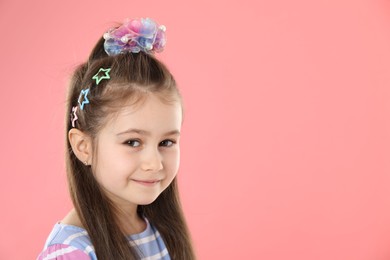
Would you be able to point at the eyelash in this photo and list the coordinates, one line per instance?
(173, 142)
(132, 141)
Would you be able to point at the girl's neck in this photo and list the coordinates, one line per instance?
(127, 216)
(133, 224)
(72, 219)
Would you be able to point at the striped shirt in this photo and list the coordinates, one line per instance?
(67, 242)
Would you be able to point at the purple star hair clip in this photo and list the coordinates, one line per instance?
(134, 36)
(74, 117)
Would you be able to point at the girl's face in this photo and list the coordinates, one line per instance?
(138, 152)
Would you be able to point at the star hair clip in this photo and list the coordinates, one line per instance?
(73, 116)
(98, 77)
(83, 99)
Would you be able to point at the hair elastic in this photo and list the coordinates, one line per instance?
(134, 36)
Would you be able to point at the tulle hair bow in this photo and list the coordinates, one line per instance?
(135, 35)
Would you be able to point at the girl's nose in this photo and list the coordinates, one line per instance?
(152, 161)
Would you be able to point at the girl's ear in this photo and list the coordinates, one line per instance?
(81, 145)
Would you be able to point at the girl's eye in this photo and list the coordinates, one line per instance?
(167, 143)
(133, 143)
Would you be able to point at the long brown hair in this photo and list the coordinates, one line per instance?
(132, 75)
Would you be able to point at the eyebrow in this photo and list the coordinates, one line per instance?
(144, 132)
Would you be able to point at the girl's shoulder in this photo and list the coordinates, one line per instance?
(63, 252)
(70, 242)
(67, 242)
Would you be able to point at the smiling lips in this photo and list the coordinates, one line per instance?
(147, 182)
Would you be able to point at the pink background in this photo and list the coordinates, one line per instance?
(286, 140)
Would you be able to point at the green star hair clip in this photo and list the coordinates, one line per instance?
(102, 74)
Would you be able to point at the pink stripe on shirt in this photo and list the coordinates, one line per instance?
(63, 252)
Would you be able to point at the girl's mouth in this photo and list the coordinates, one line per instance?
(147, 182)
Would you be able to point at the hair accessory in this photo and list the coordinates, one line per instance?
(105, 76)
(74, 118)
(85, 99)
(134, 36)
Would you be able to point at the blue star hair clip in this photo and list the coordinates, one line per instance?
(85, 100)
(106, 75)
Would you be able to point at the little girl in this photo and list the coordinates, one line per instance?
(123, 154)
